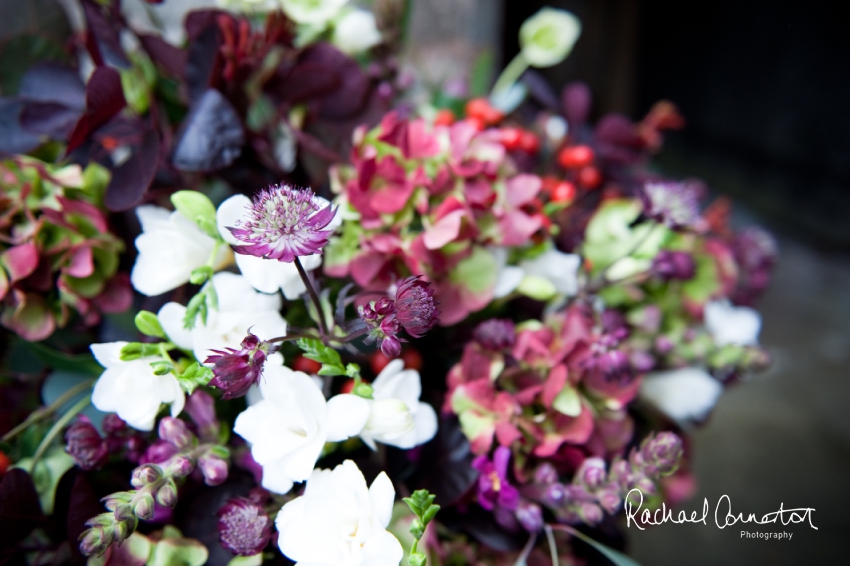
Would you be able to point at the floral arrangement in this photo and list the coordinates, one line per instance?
(247, 262)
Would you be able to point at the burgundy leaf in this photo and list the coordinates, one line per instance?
(576, 100)
(303, 82)
(203, 62)
(170, 58)
(13, 137)
(20, 510)
(104, 99)
(211, 137)
(50, 82)
(49, 118)
(76, 503)
(130, 181)
(540, 90)
(446, 464)
(199, 20)
(104, 43)
(350, 96)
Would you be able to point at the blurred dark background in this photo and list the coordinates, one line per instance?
(764, 87)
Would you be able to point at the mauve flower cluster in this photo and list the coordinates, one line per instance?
(57, 255)
(235, 371)
(432, 200)
(413, 309)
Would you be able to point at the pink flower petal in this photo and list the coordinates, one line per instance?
(445, 230)
(81, 263)
(554, 384)
(20, 261)
(522, 189)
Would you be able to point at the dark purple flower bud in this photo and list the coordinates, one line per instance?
(613, 320)
(391, 347)
(85, 445)
(145, 474)
(144, 507)
(615, 365)
(175, 432)
(383, 307)
(380, 317)
(545, 474)
(201, 409)
(590, 513)
(755, 251)
(556, 495)
(670, 264)
(235, 371)
(113, 425)
(284, 223)
(167, 494)
(496, 334)
(676, 205)
(415, 306)
(159, 452)
(663, 344)
(243, 527)
(530, 516)
(213, 468)
(180, 466)
(642, 361)
(663, 452)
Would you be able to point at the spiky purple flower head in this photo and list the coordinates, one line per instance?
(495, 334)
(235, 371)
(676, 205)
(284, 223)
(415, 306)
(243, 526)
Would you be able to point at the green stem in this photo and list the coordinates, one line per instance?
(511, 74)
(43, 412)
(320, 313)
(57, 428)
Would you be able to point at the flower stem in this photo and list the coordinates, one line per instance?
(511, 74)
(43, 412)
(320, 314)
(57, 428)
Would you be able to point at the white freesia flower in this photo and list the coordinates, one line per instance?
(289, 426)
(131, 389)
(547, 37)
(397, 417)
(170, 247)
(729, 324)
(312, 12)
(339, 522)
(264, 274)
(240, 308)
(684, 395)
(356, 31)
(556, 267)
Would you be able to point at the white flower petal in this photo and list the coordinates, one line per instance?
(729, 324)
(171, 317)
(227, 215)
(382, 496)
(108, 354)
(684, 395)
(347, 415)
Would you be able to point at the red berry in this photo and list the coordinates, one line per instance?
(511, 138)
(378, 361)
(347, 387)
(529, 143)
(480, 108)
(575, 156)
(589, 177)
(444, 117)
(549, 184)
(4, 463)
(564, 192)
(476, 122)
(412, 359)
(306, 365)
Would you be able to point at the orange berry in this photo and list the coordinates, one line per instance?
(511, 138)
(480, 108)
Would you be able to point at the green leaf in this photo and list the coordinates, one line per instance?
(316, 351)
(198, 208)
(200, 275)
(331, 370)
(178, 552)
(568, 401)
(352, 370)
(83, 363)
(618, 558)
(253, 560)
(136, 350)
(148, 324)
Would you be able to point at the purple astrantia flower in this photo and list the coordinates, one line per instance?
(380, 318)
(235, 371)
(284, 223)
(670, 264)
(415, 306)
(495, 334)
(675, 205)
(243, 526)
(493, 486)
(85, 444)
